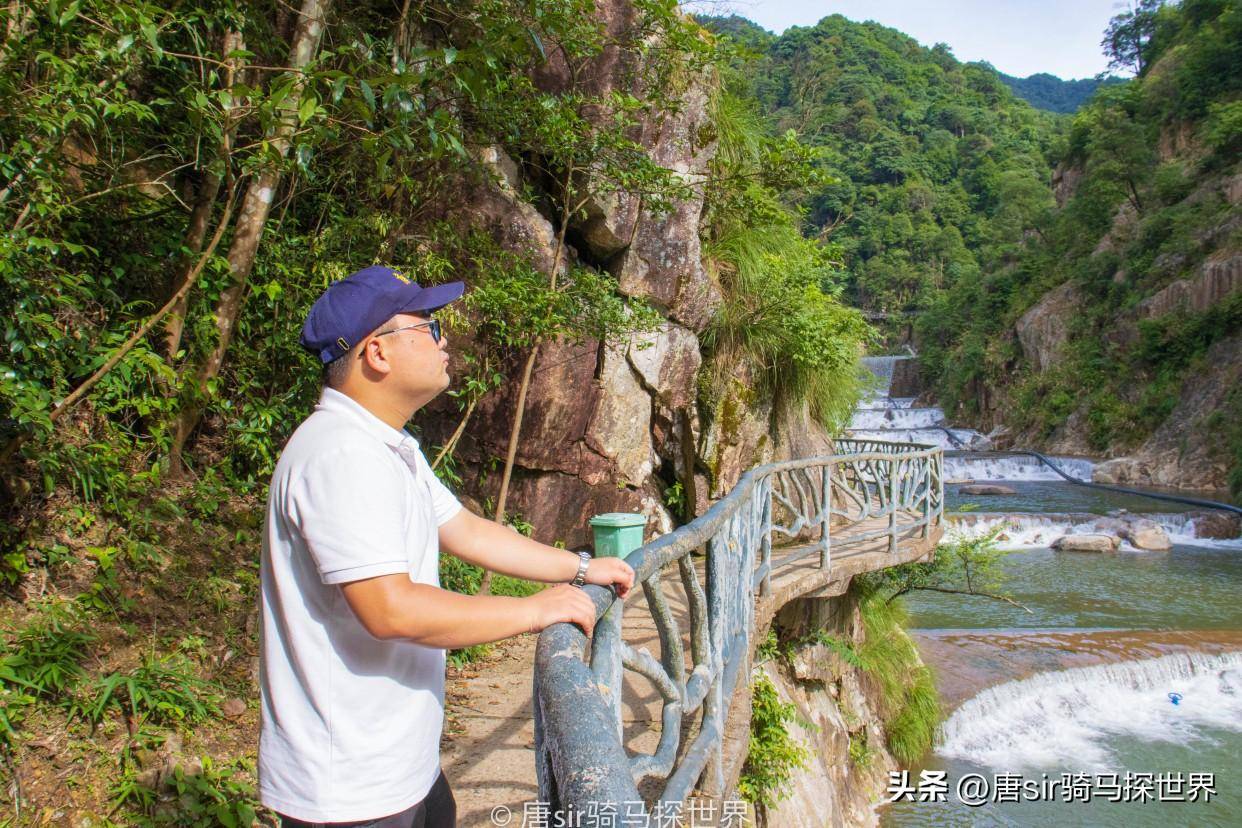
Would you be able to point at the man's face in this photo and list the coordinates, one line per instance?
(419, 363)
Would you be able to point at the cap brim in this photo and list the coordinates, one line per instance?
(432, 298)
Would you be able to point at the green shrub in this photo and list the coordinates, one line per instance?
(910, 704)
(774, 754)
(221, 796)
(161, 690)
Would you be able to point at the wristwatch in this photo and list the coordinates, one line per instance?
(584, 560)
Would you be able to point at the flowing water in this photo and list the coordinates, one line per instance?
(1110, 692)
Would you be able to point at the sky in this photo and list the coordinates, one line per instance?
(1018, 37)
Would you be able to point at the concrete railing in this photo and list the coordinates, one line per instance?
(871, 493)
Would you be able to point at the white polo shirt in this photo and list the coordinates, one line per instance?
(350, 724)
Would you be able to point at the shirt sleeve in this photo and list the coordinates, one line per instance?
(348, 505)
(444, 502)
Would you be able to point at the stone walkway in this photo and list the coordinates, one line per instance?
(489, 744)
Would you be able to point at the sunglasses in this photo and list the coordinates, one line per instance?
(433, 326)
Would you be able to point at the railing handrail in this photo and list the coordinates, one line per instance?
(667, 548)
(568, 700)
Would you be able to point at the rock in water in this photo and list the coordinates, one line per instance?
(987, 489)
(1086, 543)
(1217, 525)
(1147, 534)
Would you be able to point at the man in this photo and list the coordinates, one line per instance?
(354, 622)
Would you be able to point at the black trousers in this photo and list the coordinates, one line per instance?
(437, 810)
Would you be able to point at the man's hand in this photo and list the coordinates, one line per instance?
(563, 602)
(611, 572)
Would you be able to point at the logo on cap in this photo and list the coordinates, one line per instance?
(400, 278)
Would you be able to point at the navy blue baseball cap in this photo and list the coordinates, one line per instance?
(353, 307)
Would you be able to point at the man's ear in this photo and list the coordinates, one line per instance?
(374, 357)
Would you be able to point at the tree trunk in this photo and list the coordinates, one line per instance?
(200, 219)
(256, 205)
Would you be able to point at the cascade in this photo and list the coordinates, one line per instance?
(1035, 530)
(1018, 467)
(1062, 719)
(876, 418)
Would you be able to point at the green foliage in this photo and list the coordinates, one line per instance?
(46, 655)
(930, 170)
(42, 662)
(773, 754)
(1048, 92)
(910, 705)
(965, 565)
(162, 690)
(1148, 159)
(1128, 40)
(860, 751)
(219, 795)
(769, 648)
(780, 310)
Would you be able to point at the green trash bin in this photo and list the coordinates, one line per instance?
(617, 534)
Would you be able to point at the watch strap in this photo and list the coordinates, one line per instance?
(584, 561)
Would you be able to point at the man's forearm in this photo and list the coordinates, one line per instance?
(394, 607)
(440, 618)
(498, 548)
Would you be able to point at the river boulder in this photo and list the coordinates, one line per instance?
(986, 489)
(1217, 525)
(1086, 543)
(1148, 535)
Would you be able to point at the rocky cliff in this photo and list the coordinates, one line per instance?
(1182, 450)
(613, 427)
(837, 717)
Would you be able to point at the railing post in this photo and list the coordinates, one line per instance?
(825, 551)
(765, 538)
(892, 505)
(927, 464)
(617, 534)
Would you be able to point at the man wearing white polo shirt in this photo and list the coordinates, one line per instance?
(355, 623)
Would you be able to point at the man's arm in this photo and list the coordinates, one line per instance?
(487, 544)
(393, 606)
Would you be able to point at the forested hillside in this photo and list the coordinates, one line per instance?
(1114, 327)
(937, 170)
(958, 207)
(1045, 91)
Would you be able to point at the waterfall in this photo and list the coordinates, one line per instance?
(882, 367)
(1014, 468)
(895, 419)
(1063, 719)
(877, 418)
(1029, 531)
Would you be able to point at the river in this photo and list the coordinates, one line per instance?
(1113, 695)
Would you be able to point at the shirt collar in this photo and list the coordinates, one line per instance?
(333, 400)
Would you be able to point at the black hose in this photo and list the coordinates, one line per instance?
(1193, 501)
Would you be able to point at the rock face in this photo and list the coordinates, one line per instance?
(1219, 278)
(1043, 330)
(849, 762)
(1086, 543)
(907, 379)
(1185, 451)
(611, 426)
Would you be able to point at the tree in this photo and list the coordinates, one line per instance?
(963, 566)
(1128, 34)
(255, 207)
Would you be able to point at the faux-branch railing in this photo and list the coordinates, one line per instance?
(809, 507)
